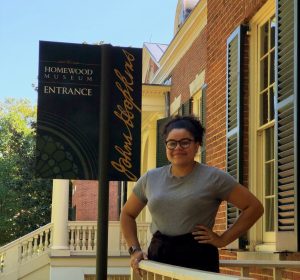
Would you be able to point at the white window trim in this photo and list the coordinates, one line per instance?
(196, 87)
(256, 232)
(197, 84)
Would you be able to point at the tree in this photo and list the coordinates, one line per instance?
(25, 202)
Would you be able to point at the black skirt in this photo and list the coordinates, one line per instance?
(183, 250)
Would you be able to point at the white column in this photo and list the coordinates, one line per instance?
(152, 145)
(59, 217)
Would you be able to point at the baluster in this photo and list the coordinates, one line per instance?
(24, 250)
(142, 237)
(146, 236)
(122, 244)
(90, 228)
(72, 239)
(47, 238)
(151, 276)
(30, 252)
(1, 262)
(77, 239)
(95, 238)
(20, 250)
(41, 244)
(83, 241)
(35, 246)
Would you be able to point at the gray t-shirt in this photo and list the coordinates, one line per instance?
(177, 204)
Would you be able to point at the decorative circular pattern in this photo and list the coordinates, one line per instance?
(63, 151)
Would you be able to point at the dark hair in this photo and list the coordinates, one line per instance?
(190, 123)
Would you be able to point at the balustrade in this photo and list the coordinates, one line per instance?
(25, 248)
(82, 236)
(35, 244)
(2, 256)
(83, 240)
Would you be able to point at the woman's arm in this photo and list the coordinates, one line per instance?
(130, 211)
(251, 210)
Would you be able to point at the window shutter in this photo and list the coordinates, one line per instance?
(233, 119)
(203, 122)
(186, 108)
(161, 158)
(286, 113)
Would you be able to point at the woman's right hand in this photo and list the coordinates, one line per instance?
(135, 258)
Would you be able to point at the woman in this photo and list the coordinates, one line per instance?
(183, 199)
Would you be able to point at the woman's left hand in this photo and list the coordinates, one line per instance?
(205, 235)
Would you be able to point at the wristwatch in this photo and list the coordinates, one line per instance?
(133, 249)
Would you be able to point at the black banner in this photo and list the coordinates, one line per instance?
(70, 82)
(125, 114)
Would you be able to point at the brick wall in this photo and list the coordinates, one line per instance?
(223, 18)
(209, 52)
(151, 71)
(85, 197)
(191, 64)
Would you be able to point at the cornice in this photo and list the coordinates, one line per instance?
(149, 89)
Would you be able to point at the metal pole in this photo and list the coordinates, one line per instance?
(102, 230)
(103, 188)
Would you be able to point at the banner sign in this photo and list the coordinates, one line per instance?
(126, 114)
(70, 82)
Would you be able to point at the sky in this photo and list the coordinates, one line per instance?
(126, 23)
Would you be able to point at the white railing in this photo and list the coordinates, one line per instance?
(36, 243)
(83, 238)
(82, 241)
(25, 248)
(157, 271)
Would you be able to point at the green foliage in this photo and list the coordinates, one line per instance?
(25, 202)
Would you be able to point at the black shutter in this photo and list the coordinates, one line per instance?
(186, 108)
(161, 158)
(286, 116)
(234, 117)
(203, 122)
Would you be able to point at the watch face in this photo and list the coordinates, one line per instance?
(132, 249)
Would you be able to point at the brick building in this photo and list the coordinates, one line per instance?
(234, 64)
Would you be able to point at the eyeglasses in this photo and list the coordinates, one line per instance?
(183, 143)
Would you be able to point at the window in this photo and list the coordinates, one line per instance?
(185, 108)
(168, 81)
(265, 128)
(198, 109)
(273, 149)
(262, 119)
